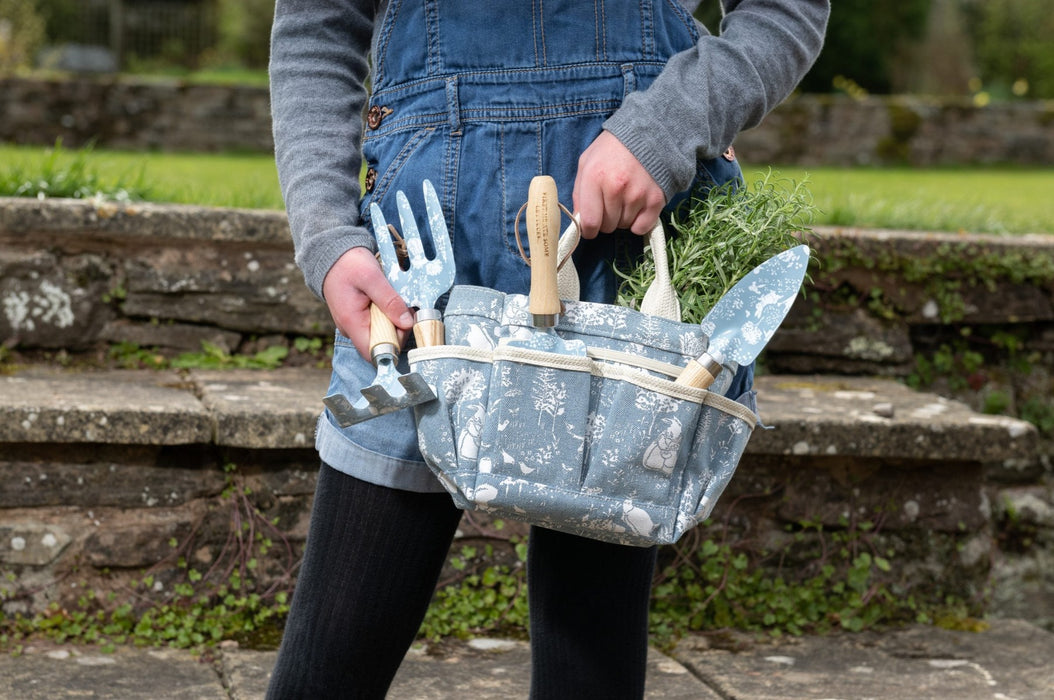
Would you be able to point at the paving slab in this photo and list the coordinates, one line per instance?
(1009, 661)
(50, 672)
(1012, 660)
(482, 669)
(874, 417)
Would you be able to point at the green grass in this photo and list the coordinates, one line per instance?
(221, 180)
(217, 75)
(980, 199)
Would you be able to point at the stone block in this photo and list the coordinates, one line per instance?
(902, 495)
(838, 341)
(227, 287)
(832, 416)
(31, 543)
(264, 410)
(41, 484)
(127, 538)
(53, 301)
(175, 336)
(44, 406)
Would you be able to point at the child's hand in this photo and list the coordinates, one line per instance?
(354, 281)
(614, 191)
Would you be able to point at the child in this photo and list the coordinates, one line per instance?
(627, 104)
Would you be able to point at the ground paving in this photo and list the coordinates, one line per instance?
(1011, 660)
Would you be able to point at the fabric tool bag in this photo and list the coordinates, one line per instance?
(604, 445)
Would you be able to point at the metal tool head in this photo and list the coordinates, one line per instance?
(744, 320)
(390, 392)
(427, 279)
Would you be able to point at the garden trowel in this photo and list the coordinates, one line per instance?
(744, 320)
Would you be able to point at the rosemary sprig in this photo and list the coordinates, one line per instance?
(717, 240)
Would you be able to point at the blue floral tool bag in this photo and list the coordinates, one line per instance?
(604, 445)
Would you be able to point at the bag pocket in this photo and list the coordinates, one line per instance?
(640, 432)
(720, 439)
(534, 431)
(449, 428)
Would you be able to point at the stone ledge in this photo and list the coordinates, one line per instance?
(810, 415)
(868, 417)
(73, 220)
(123, 407)
(263, 410)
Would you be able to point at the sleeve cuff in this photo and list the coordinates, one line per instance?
(320, 252)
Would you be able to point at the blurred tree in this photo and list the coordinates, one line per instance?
(21, 34)
(1013, 46)
(244, 32)
(64, 19)
(940, 62)
(865, 38)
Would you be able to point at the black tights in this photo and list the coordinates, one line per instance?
(371, 562)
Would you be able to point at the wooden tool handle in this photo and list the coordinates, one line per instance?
(429, 333)
(696, 375)
(543, 227)
(382, 330)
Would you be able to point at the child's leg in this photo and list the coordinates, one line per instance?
(370, 566)
(589, 616)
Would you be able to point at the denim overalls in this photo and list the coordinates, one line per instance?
(479, 98)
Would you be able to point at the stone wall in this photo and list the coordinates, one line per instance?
(76, 273)
(965, 316)
(805, 130)
(124, 114)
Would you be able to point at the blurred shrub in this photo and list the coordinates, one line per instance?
(1013, 49)
(21, 34)
(244, 33)
(865, 40)
(70, 20)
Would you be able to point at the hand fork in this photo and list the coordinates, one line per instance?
(420, 286)
(426, 279)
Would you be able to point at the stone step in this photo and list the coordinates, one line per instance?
(277, 409)
(103, 470)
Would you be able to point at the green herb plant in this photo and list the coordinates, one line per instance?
(717, 240)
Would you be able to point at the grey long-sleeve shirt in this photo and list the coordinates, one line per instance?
(693, 110)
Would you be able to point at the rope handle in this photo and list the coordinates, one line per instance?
(565, 255)
(660, 299)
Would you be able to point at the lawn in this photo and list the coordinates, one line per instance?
(979, 199)
(222, 180)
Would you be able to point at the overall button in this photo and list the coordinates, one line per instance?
(376, 115)
(371, 179)
(730, 154)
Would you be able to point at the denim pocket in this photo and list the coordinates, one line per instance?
(392, 434)
(402, 160)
